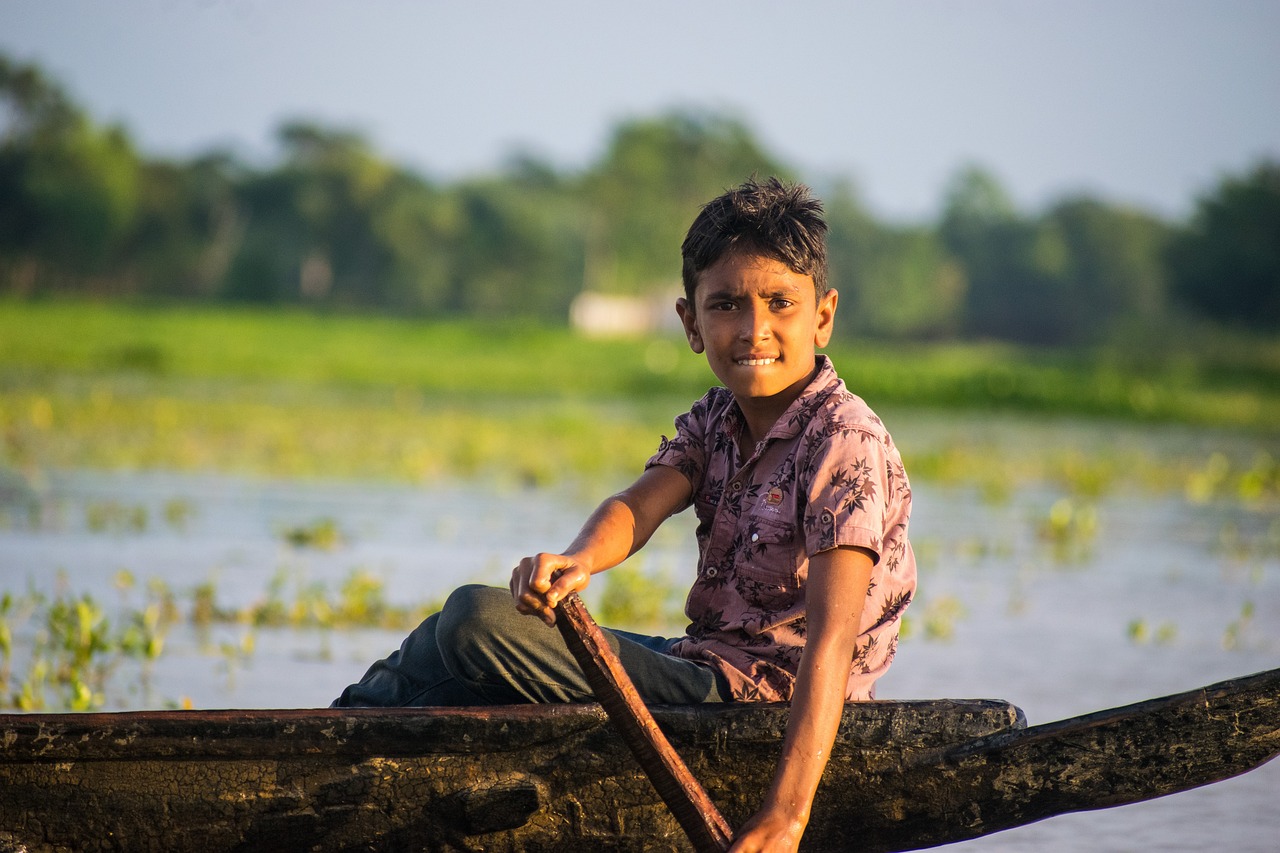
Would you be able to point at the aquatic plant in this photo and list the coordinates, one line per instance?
(178, 513)
(291, 600)
(1070, 527)
(1139, 632)
(111, 516)
(1219, 478)
(74, 648)
(1233, 636)
(635, 599)
(938, 616)
(322, 535)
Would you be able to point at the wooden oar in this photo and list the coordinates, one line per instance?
(687, 799)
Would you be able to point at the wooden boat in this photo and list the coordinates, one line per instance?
(904, 775)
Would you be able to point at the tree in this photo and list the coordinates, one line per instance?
(1226, 264)
(1107, 261)
(1009, 293)
(188, 228)
(648, 187)
(68, 189)
(893, 281)
(518, 247)
(334, 224)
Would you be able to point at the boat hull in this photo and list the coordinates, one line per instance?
(517, 778)
(902, 775)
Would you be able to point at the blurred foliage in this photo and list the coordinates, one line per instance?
(1227, 262)
(333, 223)
(654, 176)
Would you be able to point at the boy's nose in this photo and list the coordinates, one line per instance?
(755, 325)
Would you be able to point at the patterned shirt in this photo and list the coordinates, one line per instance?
(826, 475)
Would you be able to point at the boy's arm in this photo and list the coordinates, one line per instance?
(834, 596)
(617, 529)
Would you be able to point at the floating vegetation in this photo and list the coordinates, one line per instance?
(178, 513)
(1140, 632)
(323, 535)
(1070, 527)
(1220, 479)
(73, 647)
(119, 517)
(204, 606)
(233, 655)
(638, 600)
(938, 617)
(114, 517)
(1233, 637)
(1085, 476)
(292, 601)
(1249, 547)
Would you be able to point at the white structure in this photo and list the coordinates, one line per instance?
(605, 315)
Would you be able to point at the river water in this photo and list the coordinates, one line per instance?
(1167, 596)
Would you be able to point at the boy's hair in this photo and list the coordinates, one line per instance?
(771, 219)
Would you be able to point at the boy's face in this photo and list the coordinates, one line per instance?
(759, 324)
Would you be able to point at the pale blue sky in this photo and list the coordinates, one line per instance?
(1143, 101)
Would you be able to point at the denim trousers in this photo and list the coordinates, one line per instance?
(479, 650)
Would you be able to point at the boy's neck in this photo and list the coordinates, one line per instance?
(759, 415)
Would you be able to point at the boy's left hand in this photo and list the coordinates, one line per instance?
(542, 581)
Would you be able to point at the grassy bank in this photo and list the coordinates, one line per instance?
(1219, 381)
(297, 394)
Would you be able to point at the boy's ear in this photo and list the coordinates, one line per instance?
(826, 318)
(690, 322)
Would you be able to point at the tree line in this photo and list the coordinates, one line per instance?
(332, 223)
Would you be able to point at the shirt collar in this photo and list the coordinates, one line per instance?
(792, 421)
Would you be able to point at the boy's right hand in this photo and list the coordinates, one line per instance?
(542, 581)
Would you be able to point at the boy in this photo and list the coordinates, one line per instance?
(804, 566)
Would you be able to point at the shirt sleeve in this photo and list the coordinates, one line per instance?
(844, 481)
(687, 450)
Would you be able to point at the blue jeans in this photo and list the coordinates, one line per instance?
(479, 650)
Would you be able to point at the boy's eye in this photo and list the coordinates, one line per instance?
(723, 306)
(780, 304)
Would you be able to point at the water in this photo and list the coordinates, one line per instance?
(1150, 606)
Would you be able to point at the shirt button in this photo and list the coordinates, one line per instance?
(737, 485)
(755, 537)
(711, 572)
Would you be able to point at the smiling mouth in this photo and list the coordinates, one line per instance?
(754, 362)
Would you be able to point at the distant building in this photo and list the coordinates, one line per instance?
(609, 315)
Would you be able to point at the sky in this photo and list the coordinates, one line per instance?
(1142, 102)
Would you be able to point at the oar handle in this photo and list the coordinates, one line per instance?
(687, 799)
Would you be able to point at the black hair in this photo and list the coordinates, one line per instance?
(771, 219)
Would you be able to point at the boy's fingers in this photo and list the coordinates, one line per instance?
(571, 579)
(541, 582)
(543, 570)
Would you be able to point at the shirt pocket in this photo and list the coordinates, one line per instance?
(766, 576)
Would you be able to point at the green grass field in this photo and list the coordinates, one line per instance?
(290, 393)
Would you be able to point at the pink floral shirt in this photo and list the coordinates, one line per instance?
(826, 475)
